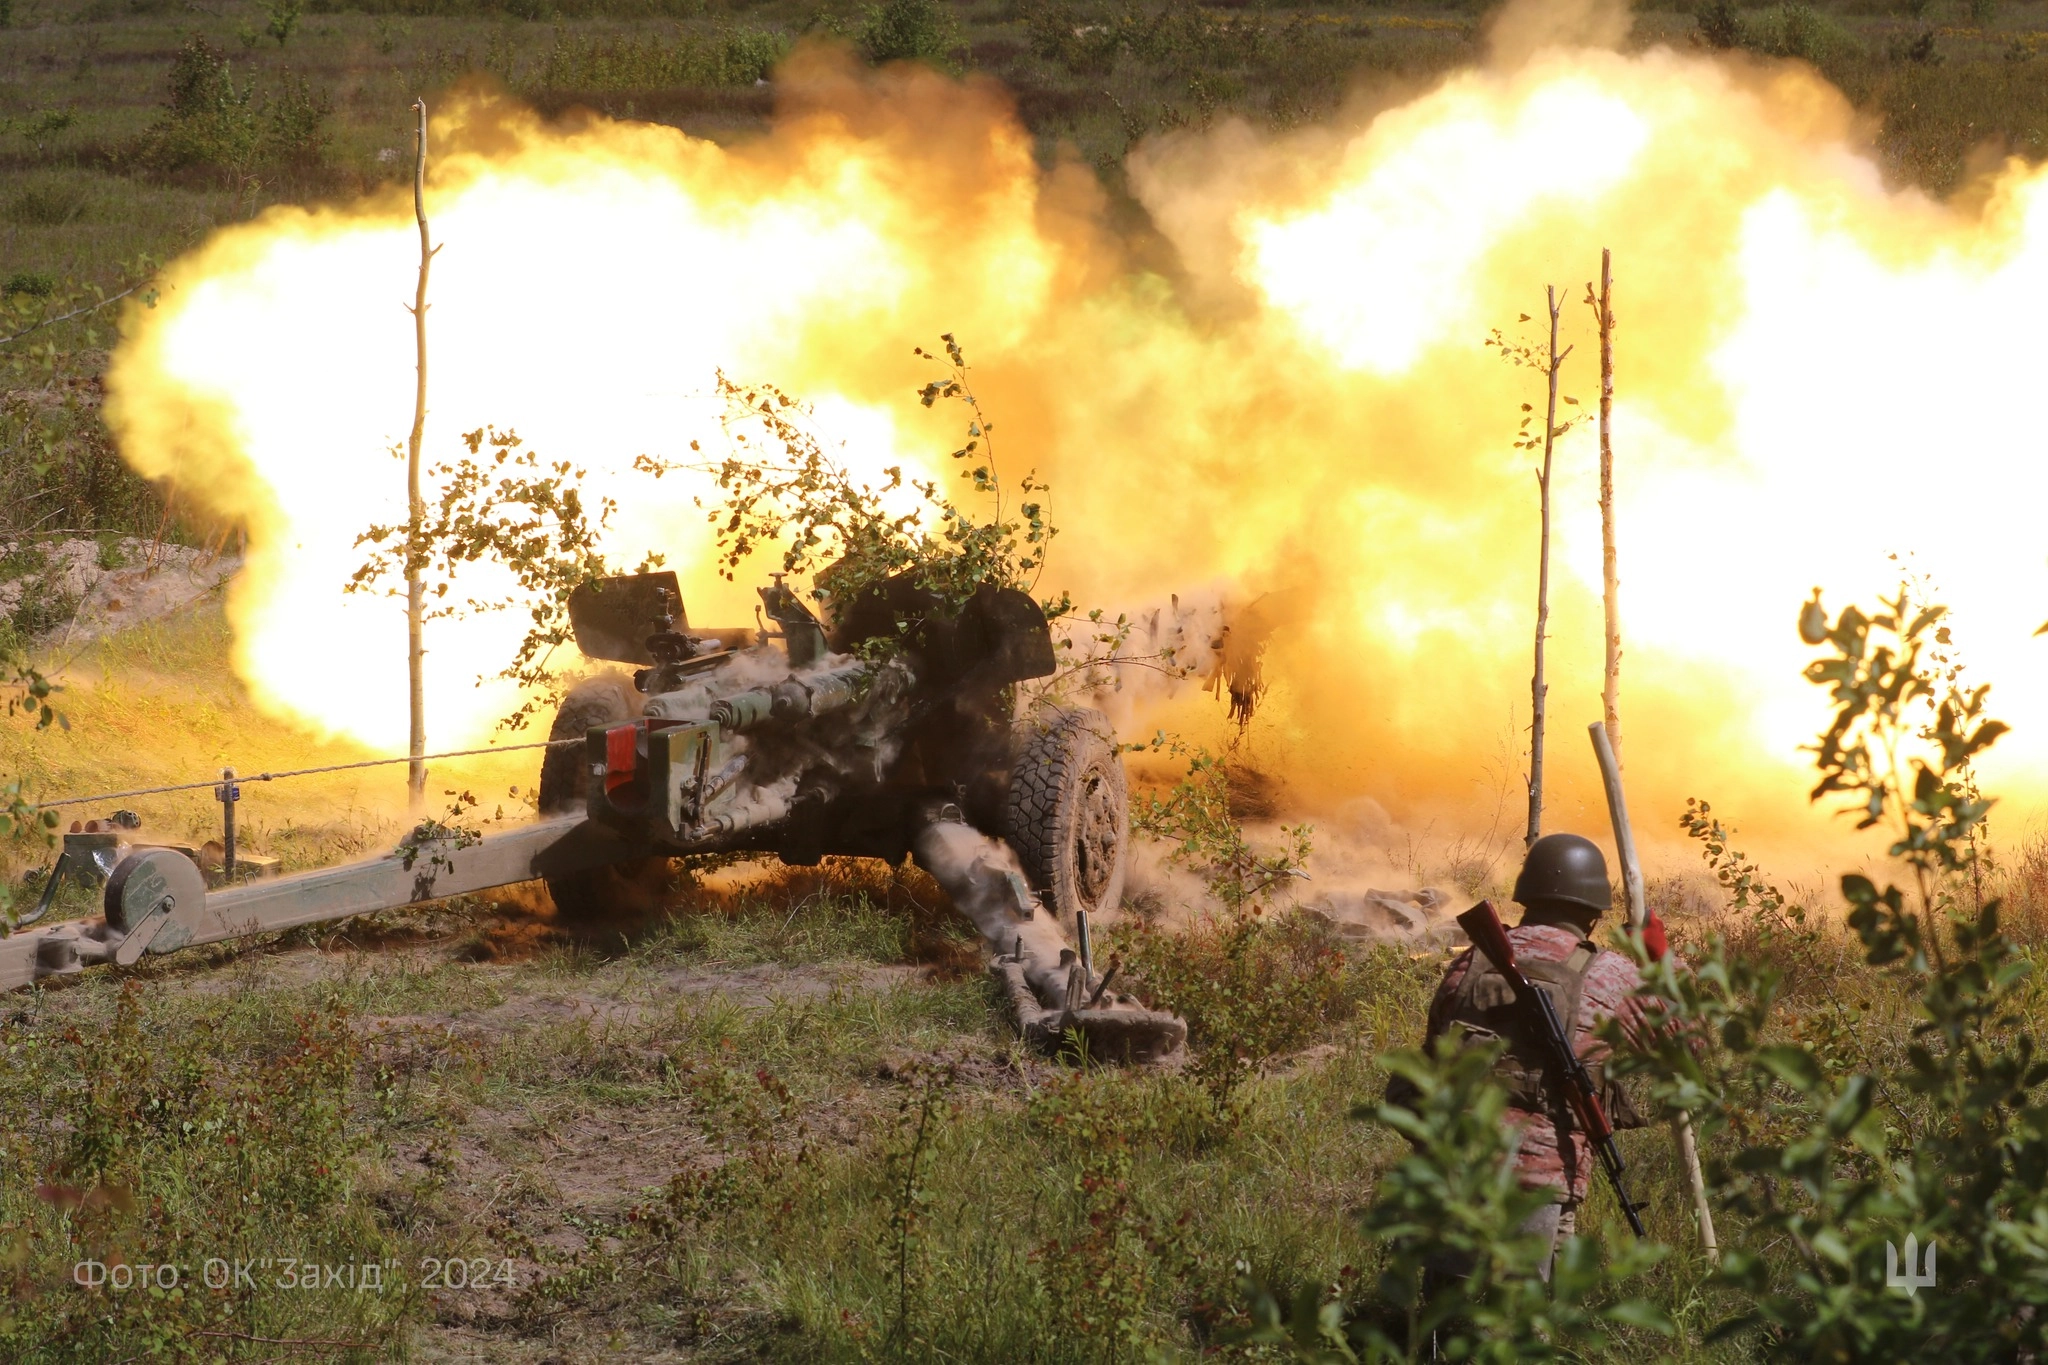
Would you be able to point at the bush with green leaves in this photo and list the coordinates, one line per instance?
(1795, 30)
(1251, 987)
(1193, 819)
(1455, 1199)
(1824, 1151)
(28, 696)
(909, 31)
(783, 490)
(733, 56)
(213, 124)
(1829, 1158)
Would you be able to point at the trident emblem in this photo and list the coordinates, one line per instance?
(1909, 1281)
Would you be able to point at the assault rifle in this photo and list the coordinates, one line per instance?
(1560, 1059)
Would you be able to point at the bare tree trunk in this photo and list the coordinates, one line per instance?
(416, 508)
(1610, 695)
(1610, 758)
(1538, 687)
(1638, 915)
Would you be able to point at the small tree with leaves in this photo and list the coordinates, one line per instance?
(1840, 1156)
(782, 486)
(1548, 360)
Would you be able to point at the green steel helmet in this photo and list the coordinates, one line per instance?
(1565, 867)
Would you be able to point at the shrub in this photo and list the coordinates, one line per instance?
(1194, 819)
(207, 119)
(1455, 1199)
(210, 123)
(283, 17)
(1251, 987)
(733, 56)
(1720, 26)
(46, 206)
(295, 136)
(747, 55)
(1805, 33)
(909, 31)
(1841, 1156)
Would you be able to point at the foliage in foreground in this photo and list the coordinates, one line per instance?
(28, 694)
(1839, 1154)
(1825, 1156)
(233, 1147)
(1454, 1204)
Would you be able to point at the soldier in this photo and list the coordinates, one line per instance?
(1563, 889)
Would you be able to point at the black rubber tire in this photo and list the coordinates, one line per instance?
(1068, 812)
(606, 699)
(605, 896)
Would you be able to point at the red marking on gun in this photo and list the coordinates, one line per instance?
(1560, 1059)
(621, 756)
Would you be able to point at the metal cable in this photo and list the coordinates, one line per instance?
(296, 772)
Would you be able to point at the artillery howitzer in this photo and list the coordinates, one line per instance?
(894, 735)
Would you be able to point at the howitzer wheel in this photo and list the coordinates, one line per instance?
(1068, 812)
(604, 896)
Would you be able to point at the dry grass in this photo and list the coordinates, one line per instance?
(157, 705)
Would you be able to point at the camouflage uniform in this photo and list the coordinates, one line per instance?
(1565, 889)
(1606, 990)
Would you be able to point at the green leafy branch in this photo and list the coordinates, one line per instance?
(28, 694)
(504, 506)
(1839, 1154)
(1194, 817)
(780, 485)
(1882, 693)
(1456, 1199)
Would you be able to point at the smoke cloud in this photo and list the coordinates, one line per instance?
(1816, 372)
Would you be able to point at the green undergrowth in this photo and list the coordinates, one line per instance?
(815, 1163)
(236, 1146)
(764, 1131)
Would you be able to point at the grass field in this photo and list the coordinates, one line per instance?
(790, 1122)
(692, 1151)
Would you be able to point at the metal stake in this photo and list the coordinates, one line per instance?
(227, 793)
(1081, 932)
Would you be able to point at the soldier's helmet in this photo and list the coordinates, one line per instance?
(1568, 868)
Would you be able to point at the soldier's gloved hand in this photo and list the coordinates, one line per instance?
(1654, 941)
